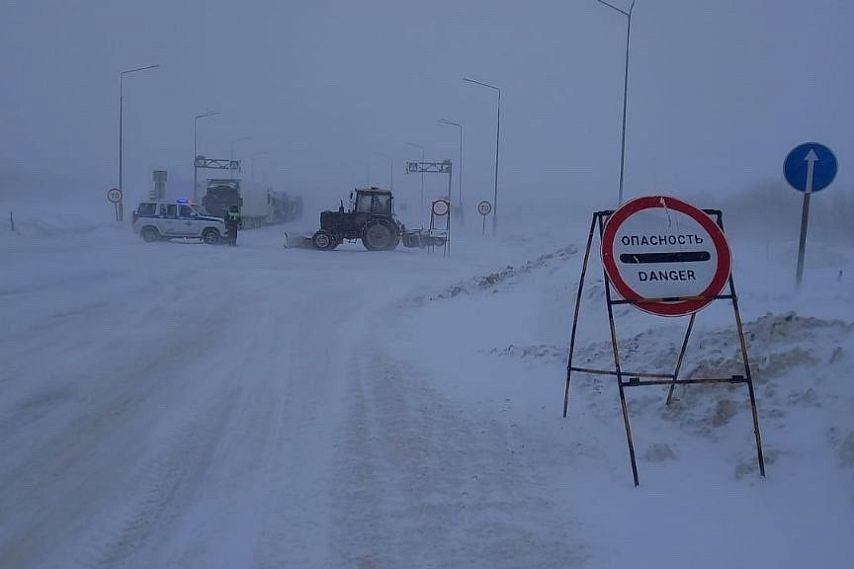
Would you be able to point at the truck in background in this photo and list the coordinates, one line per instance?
(258, 205)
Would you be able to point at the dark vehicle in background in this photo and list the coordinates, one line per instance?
(257, 204)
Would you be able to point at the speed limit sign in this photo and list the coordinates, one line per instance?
(484, 208)
(114, 195)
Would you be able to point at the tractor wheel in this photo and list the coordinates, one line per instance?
(150, 234)
(324, 241)
(380, 236)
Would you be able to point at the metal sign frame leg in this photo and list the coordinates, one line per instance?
(577, 308)
(618, 368)
(760, 457)
(681, 358)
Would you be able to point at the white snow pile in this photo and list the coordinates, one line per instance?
(697, 460)
(492, 282)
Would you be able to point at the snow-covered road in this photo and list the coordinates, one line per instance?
(177, 405)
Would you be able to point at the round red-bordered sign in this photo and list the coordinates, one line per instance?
(666, 256)
(441, 207)
(114, 195)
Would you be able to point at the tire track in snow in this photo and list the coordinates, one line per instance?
(420, 482)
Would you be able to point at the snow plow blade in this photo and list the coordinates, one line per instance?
(422, 238)
(298, 241)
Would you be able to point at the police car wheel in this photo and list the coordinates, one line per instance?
(150, 234)
(210, 236)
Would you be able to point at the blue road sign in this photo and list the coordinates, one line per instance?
(810, 164)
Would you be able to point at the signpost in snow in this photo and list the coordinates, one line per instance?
(810, 167)
(114, 196)
(665, 256)
(484, 208)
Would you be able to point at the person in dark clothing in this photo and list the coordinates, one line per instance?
(232, 224)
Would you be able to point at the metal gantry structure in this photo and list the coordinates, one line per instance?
(436, 167)
(446, 122)
(414, 145)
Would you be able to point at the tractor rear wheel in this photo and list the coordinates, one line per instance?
(380, 236)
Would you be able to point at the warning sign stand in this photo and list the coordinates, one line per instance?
(440, 223)
(664, 305)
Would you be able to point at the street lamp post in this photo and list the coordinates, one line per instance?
(234, 141)
(121, 126)
(628, 15)
(422, 177)
(497, 142)
(460, 177)
(196, 150)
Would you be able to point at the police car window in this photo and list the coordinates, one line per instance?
(169, 210)
(381, 204)
(146, 209)
(186, 211)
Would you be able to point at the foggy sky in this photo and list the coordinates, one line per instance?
(719, 91)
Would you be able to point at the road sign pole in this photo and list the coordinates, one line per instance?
(810, 159)
(809, 168)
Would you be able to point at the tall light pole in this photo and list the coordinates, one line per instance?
(497, 141)
(628, 15)
(121, 124)
(422, 177)
(234, 142)
(390, 168)
(196, 149)
(460, 177)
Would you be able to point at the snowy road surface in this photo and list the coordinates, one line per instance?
(178, 405)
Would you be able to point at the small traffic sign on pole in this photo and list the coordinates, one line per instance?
(484, 208)
(114, 196)
(665, 256)
(809, 167)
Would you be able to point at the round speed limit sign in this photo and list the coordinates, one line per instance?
(114, 195)
(441, 207)
(484, 208)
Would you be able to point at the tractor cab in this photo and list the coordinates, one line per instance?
(372, 201)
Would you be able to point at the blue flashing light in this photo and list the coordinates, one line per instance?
(183, 200)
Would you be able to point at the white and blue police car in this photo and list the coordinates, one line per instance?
(158, 220)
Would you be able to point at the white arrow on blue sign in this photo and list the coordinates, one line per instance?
(810, 167)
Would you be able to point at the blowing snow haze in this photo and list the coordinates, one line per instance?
(262, 376)
(719, 91)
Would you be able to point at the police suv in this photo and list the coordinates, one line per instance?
(158, 220)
